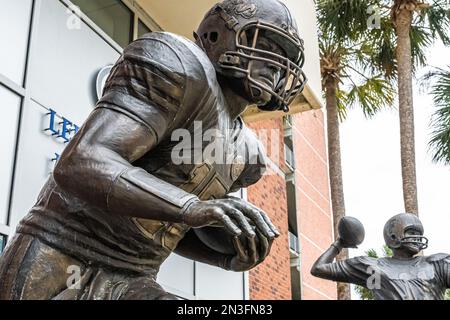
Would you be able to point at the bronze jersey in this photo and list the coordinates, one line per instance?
(165, 82)
(420, 278)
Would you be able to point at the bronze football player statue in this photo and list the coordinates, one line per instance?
(405, 276)
(119, 201)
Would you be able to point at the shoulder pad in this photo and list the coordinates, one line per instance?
(158, 81)
(191, 60)
(368, 261)
(155, 49)
(439, 257)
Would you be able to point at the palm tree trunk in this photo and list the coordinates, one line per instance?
(335, 171)
(403, 20)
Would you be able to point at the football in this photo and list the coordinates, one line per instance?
(219, 239)
(351, 231)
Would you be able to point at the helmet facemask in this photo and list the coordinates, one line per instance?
(292, 78)
(414, 240)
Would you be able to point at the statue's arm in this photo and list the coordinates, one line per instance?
(355, 270)
(323, 267)
(96, 167)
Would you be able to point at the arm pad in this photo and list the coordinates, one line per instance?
(139, 194)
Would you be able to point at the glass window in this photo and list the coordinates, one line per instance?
(142, 29)
(2, 242)
(112, 16)
(9, 108)
(15, 17)
(177, 274)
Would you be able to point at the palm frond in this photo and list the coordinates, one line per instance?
(421, 39)
(380, 44)
(387, 252)
(364, 293)
(440, 139)
(348, 50)
(372, 253)
(427, 79)
(342, 104)
(430, 24)
(440, 90)
(371, 95)
(344, 19)
(437, 18)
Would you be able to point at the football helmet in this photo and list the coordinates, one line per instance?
(405, 229)
(230, 34)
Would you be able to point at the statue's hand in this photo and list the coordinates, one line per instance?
(232, 213)
(341, 244)
(248, 254)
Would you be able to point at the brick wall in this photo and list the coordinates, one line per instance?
(313, 200)
(272, 279)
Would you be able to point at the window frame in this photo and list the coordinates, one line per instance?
(137, 14)
(139, 22)
(19, 89)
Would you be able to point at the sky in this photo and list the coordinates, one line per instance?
(372, 171)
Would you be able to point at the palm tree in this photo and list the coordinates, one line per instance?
(347, 80)
(440, 90)
(432, 20)
(406, 28)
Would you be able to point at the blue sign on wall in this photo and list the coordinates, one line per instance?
(62, 129)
